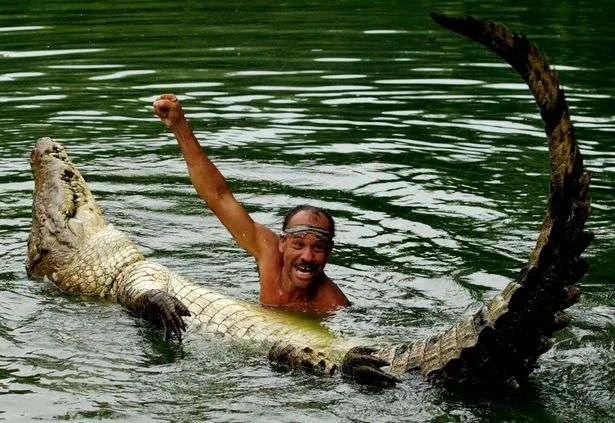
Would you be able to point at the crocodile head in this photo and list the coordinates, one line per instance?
(64, 212)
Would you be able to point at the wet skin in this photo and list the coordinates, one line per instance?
(291, 267)
(304, 258)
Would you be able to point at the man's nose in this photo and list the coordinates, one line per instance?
(306, 254)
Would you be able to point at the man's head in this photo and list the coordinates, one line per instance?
(305, 245)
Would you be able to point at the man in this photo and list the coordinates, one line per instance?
(291, 266)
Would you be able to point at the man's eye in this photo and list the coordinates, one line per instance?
(297, 245)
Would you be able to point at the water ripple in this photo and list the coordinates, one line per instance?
(121, 74)
(46, 53)
(433, 164)
(170, 85)
(21, 28)
(429, 81)
(18, 75)
(302, 89)
(41, 98)
(337, 59)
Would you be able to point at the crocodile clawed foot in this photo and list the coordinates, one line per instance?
(164, 310)
(359, 364)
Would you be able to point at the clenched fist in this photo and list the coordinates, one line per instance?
(169, 110)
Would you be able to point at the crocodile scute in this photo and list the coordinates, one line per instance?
(500, 344)
(72, 245)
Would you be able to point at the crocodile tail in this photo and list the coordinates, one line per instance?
(523, 56)
(501, 343)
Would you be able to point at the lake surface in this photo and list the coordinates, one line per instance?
(426, 148)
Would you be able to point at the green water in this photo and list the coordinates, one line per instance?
(427, 149)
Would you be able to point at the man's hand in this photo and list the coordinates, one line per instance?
(360, 365)
(164, 310)
(169, 110)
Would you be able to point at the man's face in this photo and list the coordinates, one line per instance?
(305, 254)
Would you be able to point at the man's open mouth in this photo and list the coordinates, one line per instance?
(306, 270)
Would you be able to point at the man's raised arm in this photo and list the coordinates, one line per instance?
(209, 182)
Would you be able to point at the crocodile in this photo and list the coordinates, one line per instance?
(72, 245)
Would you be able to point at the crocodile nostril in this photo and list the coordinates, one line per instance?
(68, 175)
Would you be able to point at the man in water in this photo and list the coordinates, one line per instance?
(290, 265)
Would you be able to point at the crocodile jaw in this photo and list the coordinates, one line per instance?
(64, 212)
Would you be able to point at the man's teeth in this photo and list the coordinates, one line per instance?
(304, 268)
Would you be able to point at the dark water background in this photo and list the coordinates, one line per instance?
(427, 149)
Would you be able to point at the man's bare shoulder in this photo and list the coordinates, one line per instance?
(330, 295)
(266, 243)
(266, 234)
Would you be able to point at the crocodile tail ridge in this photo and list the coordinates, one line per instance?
(501, 342)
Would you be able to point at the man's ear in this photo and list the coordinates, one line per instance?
(281, 244)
